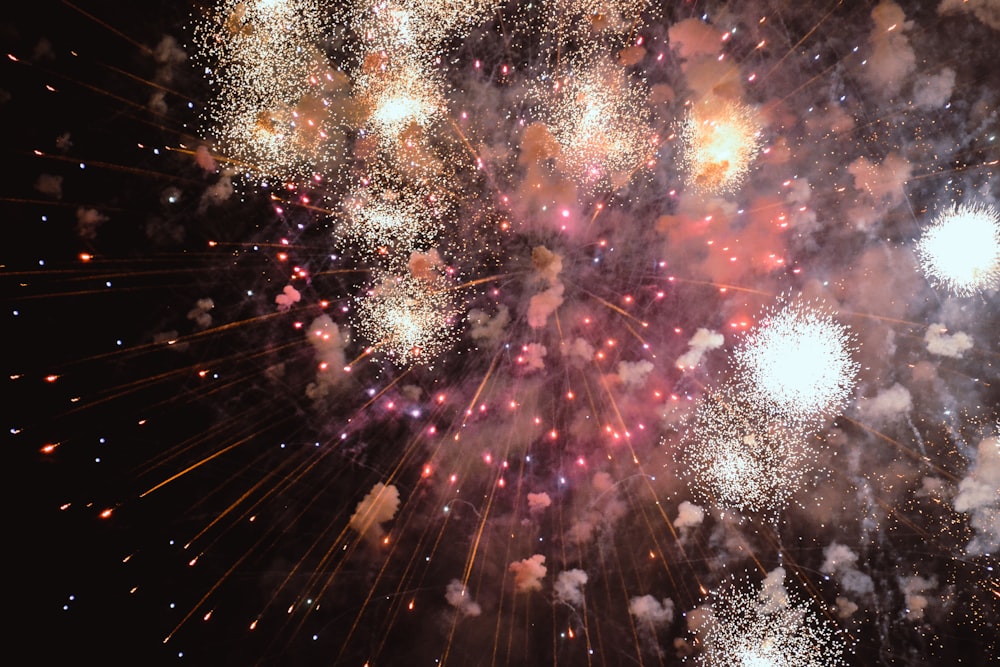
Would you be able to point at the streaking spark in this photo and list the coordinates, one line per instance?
(419, 26)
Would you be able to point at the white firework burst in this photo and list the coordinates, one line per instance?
(399, 93)
(588, 16)
(417, 26)
(411, 319)
(961, 249)
(738, 458)
(750, 628)
(272, 114)
(600, 122)
(392, 220)
(798, 363)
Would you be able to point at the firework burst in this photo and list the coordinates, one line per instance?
(399, 93)
(798, 363)
(424, 381)
(411, 319)
(600, 122)
(721, 140)
(767, 628)
(394, 220)
(595, 15)
(275, 112)
(417, 27)
(737, 458)
(961, 249)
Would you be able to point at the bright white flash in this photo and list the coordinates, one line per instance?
(798, 362)
(397, 111)
(755, 659)
(961, 249)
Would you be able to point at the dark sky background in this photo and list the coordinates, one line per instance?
(185, 471)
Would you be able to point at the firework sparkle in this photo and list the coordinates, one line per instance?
(740, 458)
(767, 628)
(798, 360)
(599, 121)
(721, 139)
(961, 249)
(413, 319)
(441, 332)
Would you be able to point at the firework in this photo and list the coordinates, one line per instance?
(391, 220)
(275, 109)
(738, 458)
(411, 319)
(417, 27)
(600, 123)
(797, 363)
(721, 140)
(593, 15)
(399, 93)
(767, 628)
(961, 249)
(293, 445)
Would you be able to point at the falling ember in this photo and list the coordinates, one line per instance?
(961, 249)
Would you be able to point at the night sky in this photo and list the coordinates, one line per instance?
(581, 332)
